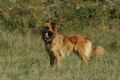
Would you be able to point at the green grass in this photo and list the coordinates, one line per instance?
(23, 57)
(22, 50)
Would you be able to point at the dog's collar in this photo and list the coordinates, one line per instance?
(48, 42)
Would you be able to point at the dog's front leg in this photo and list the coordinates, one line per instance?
(58, 58)
(54, 55)
(52, 59)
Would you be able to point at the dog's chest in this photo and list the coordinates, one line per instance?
(59, 48)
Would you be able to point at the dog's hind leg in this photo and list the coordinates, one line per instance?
(82, 52)
(84, 57)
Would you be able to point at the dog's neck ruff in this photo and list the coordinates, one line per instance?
(48, 42)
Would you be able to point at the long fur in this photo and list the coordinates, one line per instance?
(58, 45)
(97, 52)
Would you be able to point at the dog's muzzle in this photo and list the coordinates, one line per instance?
(45, 34)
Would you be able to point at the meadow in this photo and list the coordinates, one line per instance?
(22, 51)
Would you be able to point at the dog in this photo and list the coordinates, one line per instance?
(58, 46)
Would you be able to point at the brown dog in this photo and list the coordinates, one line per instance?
(59, 45)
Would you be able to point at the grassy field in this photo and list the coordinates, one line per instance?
(23, 57)
(22, 51)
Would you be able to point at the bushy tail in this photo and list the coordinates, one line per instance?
(97, 52)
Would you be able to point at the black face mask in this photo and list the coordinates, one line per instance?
(44, 30)
(46, 34)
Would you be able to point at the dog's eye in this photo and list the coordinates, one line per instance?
(47, 28)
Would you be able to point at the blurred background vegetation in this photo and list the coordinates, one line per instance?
(22, 52)
(30, 15)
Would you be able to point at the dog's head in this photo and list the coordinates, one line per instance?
(49, 30)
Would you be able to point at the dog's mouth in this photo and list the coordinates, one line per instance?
(46, 36)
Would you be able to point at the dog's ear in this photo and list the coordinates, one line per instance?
(54, 25)
(49, 21)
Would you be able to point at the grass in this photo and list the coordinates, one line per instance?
(22, 51)
(23, 57)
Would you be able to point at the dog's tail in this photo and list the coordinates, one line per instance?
(97, 52)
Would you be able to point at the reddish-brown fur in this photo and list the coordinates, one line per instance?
(62, 45)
